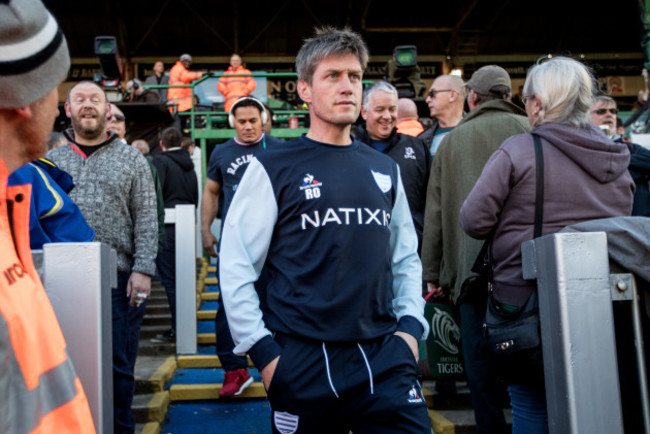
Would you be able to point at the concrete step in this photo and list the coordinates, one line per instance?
(444, 399)
(202, 361)
(148, 428)
(157, 294)
(451, 413)
(153, 372)
(192, 392)
(206, 338)
(156, 362)
(210, 296)
(458, 421)
(204, 315)
(157, 289)
(157, 309)
(150, 407)
(148, 348)
(157, 319)
(151, 331)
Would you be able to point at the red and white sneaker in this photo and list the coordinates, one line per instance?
(235, 382)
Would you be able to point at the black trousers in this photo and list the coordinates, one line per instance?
(369, 387)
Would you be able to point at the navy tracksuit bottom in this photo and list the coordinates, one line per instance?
(370, 387)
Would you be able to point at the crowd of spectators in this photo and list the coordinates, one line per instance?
(469, 176)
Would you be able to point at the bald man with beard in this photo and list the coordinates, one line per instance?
(114, 190)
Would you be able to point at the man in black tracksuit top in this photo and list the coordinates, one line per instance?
(179, 187)
(227, 165)
(335, 331)
(379, 110)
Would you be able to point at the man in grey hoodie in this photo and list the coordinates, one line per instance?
(115, 192)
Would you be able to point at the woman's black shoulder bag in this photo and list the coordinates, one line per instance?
(511, 339)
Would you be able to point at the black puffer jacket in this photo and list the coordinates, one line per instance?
(414, 161)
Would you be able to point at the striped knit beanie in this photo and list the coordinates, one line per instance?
(34, 55)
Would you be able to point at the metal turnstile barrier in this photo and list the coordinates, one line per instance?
(184, 218)
(577, 327)
(78, 278)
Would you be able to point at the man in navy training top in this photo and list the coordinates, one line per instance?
(324, 219)
(228, 162)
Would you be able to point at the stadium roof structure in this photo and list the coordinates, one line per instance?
(147, 28)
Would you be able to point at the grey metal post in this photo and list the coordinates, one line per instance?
(623, 289)
(184, 217)
(577, 325)
(78, 278)
(198, 169)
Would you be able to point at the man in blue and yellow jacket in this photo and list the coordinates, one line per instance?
(53, 216)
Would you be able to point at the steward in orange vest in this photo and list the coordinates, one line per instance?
(39, 389)
(234, 88)
(43, 393)
(180, 75)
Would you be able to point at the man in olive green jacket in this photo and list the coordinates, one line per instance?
(447, 252)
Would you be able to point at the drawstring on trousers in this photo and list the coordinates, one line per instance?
(329, 374)
(327, 368)
(372, 384)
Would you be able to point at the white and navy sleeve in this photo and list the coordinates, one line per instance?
(408, 303)
(245, 243)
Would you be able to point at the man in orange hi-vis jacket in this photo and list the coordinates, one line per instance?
(236, 87)
(40, 391)
(181, 75)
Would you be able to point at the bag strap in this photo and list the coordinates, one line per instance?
(539, 190)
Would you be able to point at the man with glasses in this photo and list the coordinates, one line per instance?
(116, 121)
(603, 114)
(447, 252)
(445, 99)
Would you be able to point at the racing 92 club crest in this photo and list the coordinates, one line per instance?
(311, 187)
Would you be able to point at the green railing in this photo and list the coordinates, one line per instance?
(207, 132)
(218, 133)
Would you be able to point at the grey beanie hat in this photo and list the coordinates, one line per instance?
(34, 55)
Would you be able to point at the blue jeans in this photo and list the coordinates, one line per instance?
(166, 264)
(136, 315)
(528, 409)
(486, 394)
(123, 379)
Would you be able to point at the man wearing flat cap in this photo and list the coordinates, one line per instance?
(447, 252)
(40, 388)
